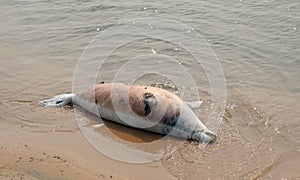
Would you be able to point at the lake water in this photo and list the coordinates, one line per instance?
(256, 42)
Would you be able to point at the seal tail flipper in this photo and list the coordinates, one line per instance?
(195, 105)
(58, 101)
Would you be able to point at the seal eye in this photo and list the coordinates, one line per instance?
(148, 95)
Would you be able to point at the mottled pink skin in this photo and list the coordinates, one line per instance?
(112, 96)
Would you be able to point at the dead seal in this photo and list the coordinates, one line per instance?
(144, 107)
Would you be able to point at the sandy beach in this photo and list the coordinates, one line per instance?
(65, 156)
(189, 48)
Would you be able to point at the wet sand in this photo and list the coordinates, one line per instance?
(65, 156)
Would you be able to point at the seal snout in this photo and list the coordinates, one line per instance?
(211, 136)
(204, 136)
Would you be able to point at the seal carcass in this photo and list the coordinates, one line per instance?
(144, 107)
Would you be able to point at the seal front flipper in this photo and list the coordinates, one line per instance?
(58, 101)
(195, 105)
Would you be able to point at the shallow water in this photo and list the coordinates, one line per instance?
(256, 42)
